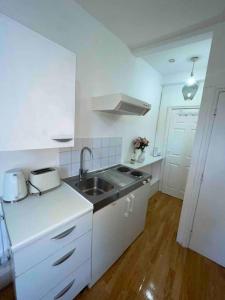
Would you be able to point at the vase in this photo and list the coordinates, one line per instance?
(133, 157)
(141, 157)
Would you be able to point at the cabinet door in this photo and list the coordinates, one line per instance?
(37, 83)
(137, 213)
(108, 237)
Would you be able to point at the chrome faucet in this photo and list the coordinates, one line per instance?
(82, 171)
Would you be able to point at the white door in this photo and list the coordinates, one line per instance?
(37, 84)
(181, 133)
(137, 213)
(208, 236)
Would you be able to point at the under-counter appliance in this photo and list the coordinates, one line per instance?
(14, 186)
(120, 197)
(43, 180)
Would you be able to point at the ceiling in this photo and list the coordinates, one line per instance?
(141, 22)
(182, 56)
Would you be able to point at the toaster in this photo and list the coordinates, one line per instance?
(43, 180)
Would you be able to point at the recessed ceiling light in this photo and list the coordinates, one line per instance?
(171, 60)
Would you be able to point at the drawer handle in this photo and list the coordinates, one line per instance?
(64, 258)
(63, 291)
(62, 140)
(64, 233)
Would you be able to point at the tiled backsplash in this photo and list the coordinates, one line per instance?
(106, 152)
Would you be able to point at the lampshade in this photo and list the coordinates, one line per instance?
(190, 89)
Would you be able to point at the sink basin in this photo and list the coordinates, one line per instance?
(94, 186)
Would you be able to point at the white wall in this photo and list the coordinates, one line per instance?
(172, 96)
(104, 65)
(215, 79)
(216, 66)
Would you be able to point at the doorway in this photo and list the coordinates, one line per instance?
(180, 132)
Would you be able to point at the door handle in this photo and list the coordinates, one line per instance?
(128, 201)
(131, 208)
(64, 258)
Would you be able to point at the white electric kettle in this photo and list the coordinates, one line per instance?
(14, 185)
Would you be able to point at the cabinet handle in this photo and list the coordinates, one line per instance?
(64, 258)
(132, 196)
(131, 206)
(62, 140)
(126, 214)
(64, 233)
(63, 291)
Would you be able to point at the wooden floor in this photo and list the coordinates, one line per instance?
(155, 266)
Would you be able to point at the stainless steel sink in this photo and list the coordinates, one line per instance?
(105, 186)
(94, 186)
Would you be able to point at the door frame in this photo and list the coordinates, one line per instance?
(199, 155)
(170, 109)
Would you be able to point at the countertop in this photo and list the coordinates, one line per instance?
(148, 161)
(29, 219)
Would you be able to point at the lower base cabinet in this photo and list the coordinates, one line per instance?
(107, 239)
(115, 227)
(64, 273)
(72, 285)
(37, 281)
(135, 221)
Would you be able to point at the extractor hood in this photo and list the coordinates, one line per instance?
(120, 104)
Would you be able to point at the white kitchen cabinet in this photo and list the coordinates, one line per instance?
(108, 237)
(115, 227)
(37, 83)
(30, 256)
(72, 285)
(53, 270)
(52, 273)
(135, 222)
(50, 237)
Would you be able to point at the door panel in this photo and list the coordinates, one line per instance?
(136, 219)
(209, 223)
(183, 179)
(176, 140)
(37, 84)
(172, 173)
(181, 134)
(108, 237)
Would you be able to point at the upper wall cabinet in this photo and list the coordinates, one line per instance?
(37, 90)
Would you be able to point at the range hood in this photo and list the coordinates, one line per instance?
(120, 104)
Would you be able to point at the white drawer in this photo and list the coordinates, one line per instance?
(36, 252)
(72, 285)
(36, 282)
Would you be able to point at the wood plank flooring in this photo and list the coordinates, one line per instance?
(155, 266)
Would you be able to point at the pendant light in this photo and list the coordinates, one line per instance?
(190, 89)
